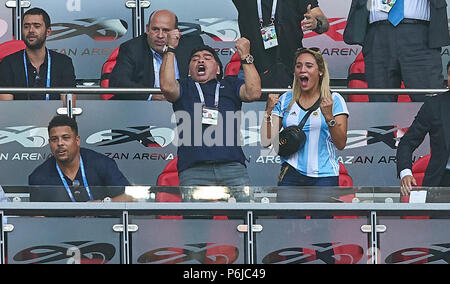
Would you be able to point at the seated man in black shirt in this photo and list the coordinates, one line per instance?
(71, 165)
(36, 66)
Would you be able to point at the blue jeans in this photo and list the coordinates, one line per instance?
(294, 178)
(223, 174)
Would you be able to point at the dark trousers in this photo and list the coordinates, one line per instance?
(396, 54)
(445, 181)
(293, 178)
(223, 174)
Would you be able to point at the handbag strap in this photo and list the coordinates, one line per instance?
(313, 108)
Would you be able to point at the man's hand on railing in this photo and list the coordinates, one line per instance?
(406, 184)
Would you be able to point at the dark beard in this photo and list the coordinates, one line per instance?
(38, 44)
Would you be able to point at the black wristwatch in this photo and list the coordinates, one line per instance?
(248, 60)
(319, 26)
(331, 123)
(167, 48)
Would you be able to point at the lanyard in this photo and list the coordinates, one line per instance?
(49, 62)
(83, 174)
(202, 98)
(260, 15)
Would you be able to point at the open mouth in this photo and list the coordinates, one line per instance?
(304, 81)
(201, 70)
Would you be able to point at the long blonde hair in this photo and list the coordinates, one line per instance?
(324, 80)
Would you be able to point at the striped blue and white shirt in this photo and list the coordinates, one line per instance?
(318, 156)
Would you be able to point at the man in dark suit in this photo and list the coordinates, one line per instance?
(433, 118)
(139, 59)
(402, 43)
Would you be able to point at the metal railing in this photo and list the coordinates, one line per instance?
(71, 111)
(145, 91)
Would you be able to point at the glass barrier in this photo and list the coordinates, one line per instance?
(239, 194)
(223, 225)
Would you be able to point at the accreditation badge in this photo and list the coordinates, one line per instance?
(210, 116)
(385, 5)
(269, 36)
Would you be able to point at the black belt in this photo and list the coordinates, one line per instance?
(404, 21)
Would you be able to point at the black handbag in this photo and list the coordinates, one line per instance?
(292, 138)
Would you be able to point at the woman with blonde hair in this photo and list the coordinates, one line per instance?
(315, 163)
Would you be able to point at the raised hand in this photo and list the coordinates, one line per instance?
(310, 22)
(243, 47)
(173, 38)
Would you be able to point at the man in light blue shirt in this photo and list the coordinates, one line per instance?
(140, 58)
(401, 43)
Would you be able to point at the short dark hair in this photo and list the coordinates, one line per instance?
(39, 11)
(63, 120)
(213, 52)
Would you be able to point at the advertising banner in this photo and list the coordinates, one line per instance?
(187, 242)
(140, 137)
(430, 248)
(37, 240)
(87, 31)
(323, 242)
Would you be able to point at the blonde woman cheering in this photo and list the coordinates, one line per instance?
(315, 163)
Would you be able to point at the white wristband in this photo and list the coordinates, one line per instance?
(405, 172)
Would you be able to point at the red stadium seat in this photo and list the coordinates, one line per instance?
(345, 180)
(107, 68)
(232, 68)
(357, 79)
(10, 47)
(169, 175)
(419, 167)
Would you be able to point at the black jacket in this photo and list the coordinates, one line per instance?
(134, 66)
(358, 23)
(433, 118)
